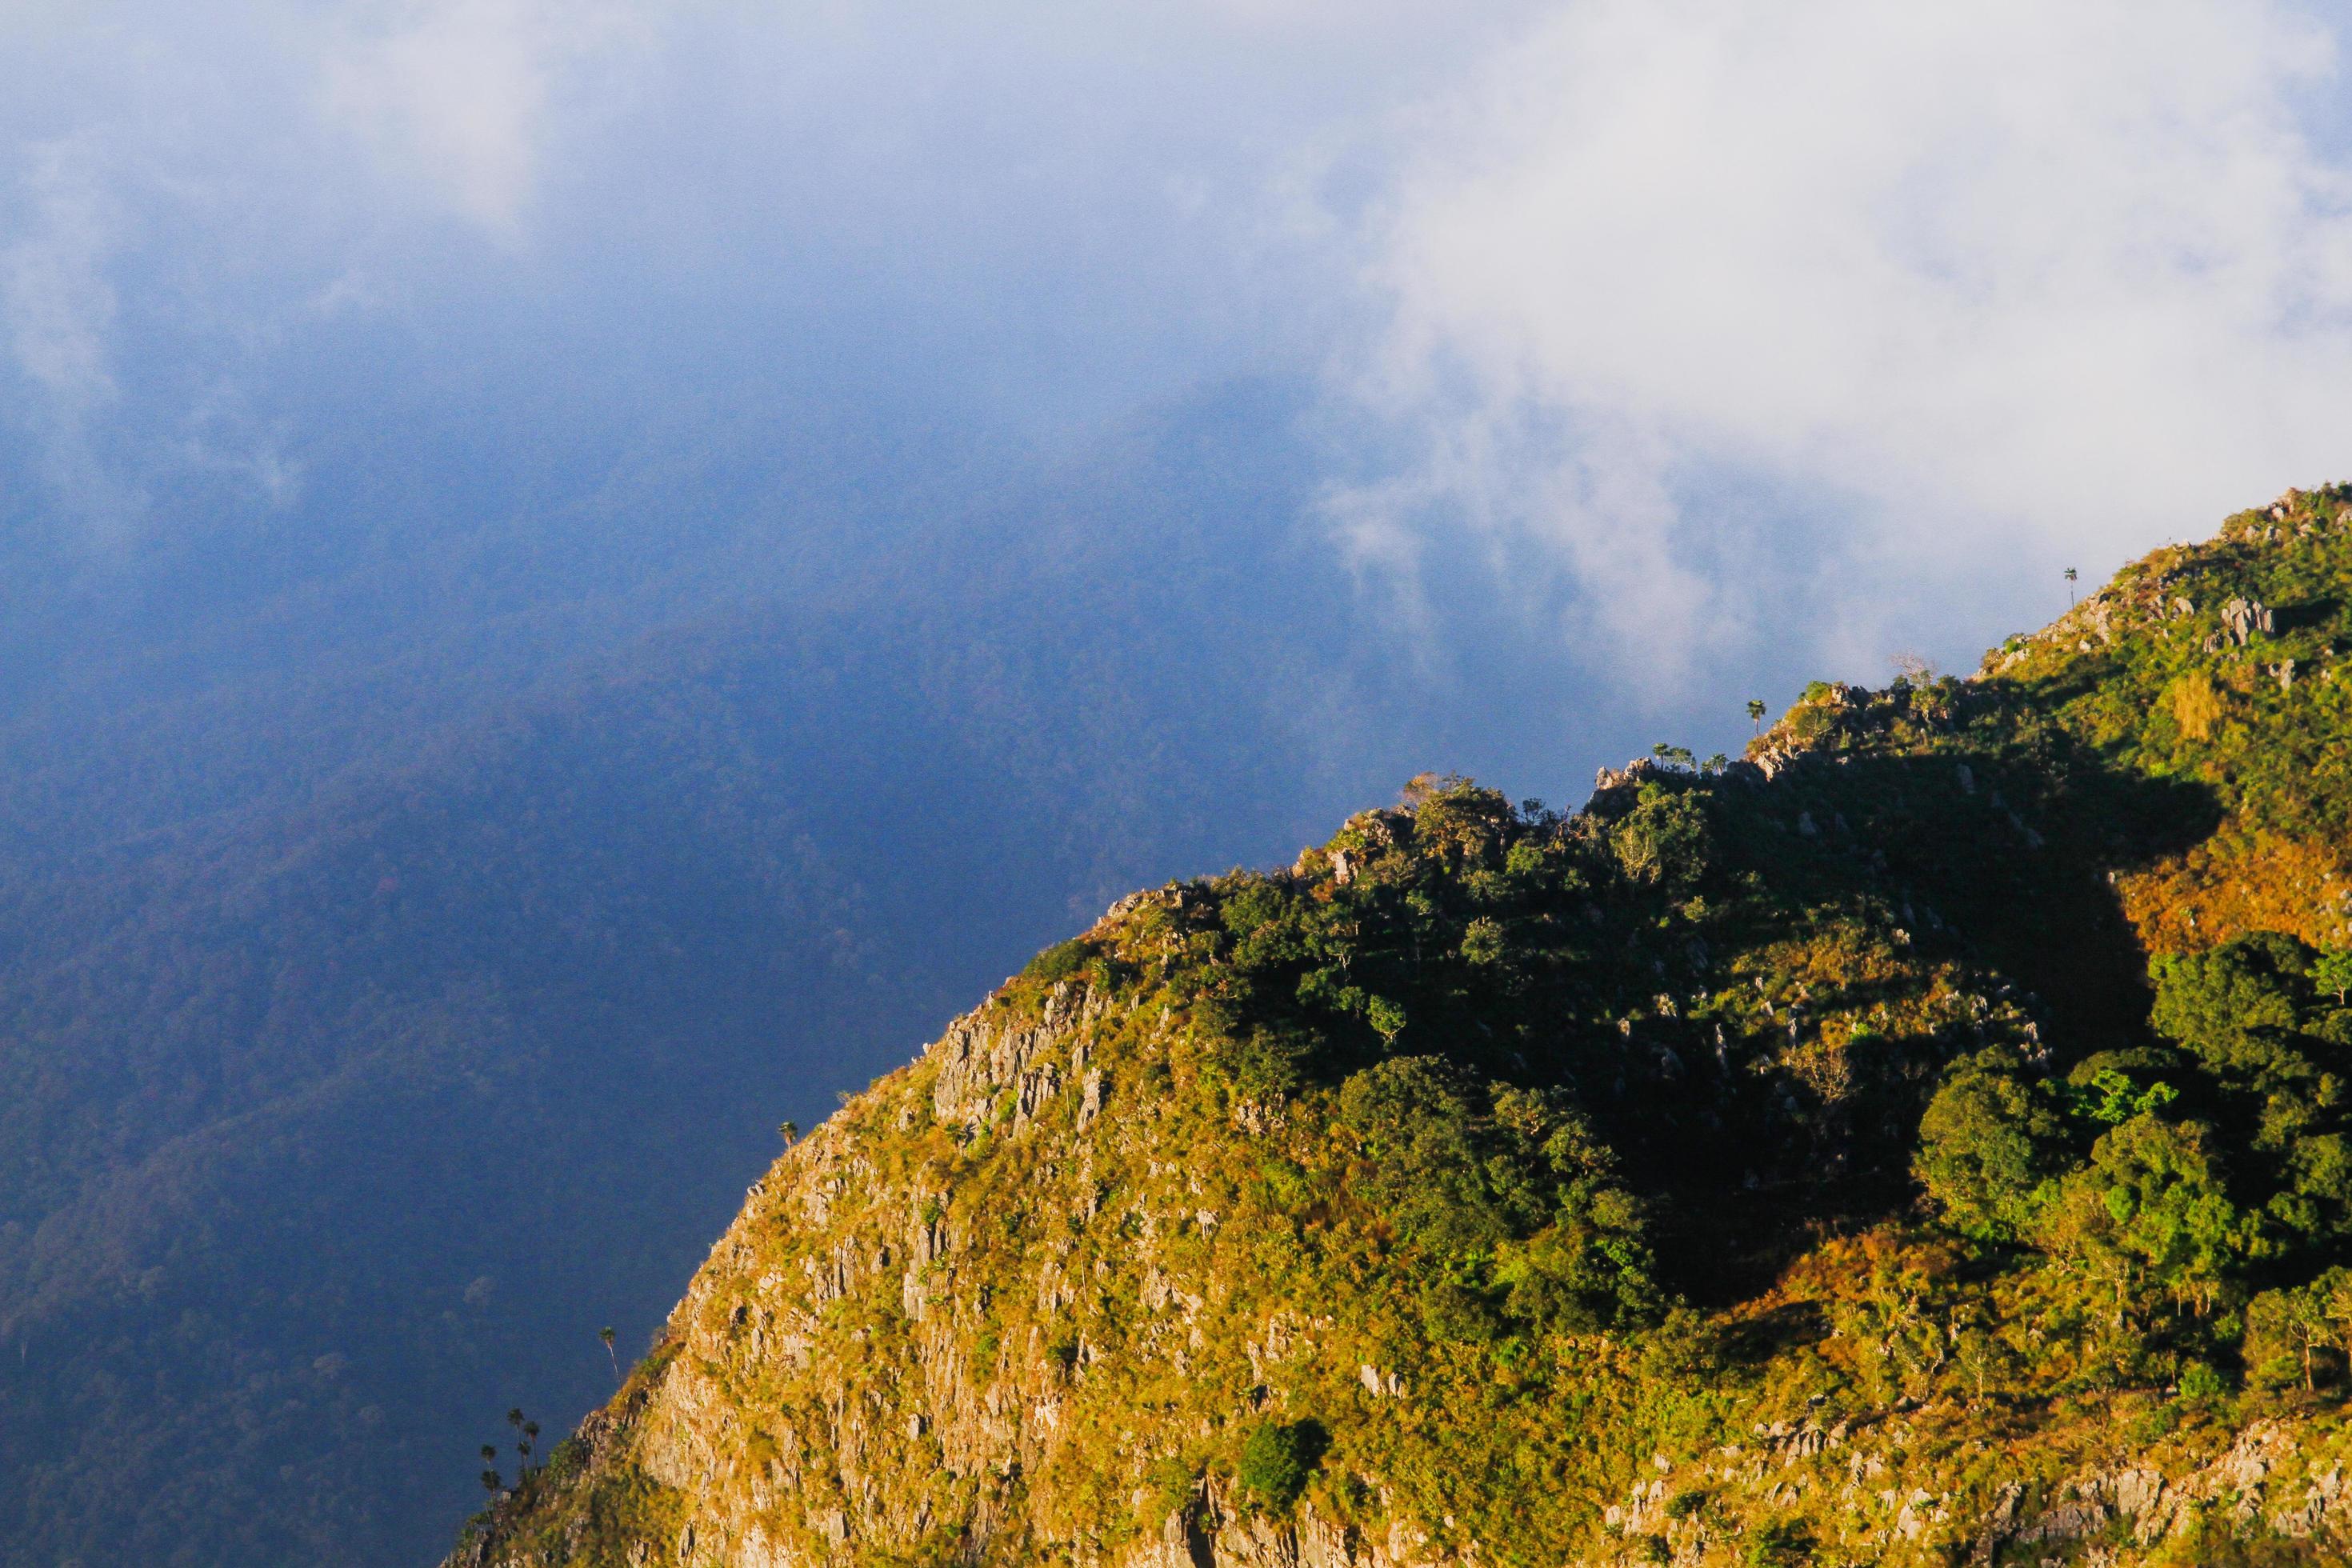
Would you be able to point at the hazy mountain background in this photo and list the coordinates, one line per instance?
(575, 578)
(412, 941)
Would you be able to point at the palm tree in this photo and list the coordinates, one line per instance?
(1755, 713)
(792, 1132)
(605, 1334)
(2070, 587)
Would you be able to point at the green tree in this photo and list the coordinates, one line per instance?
(605, 1335)
(2331, 972)
(2151, 1209)
(1278, 1459)
(1508, 1187)
(1755, 713)
(1981, 1360)
(2202, 1383)
(2100, 1092)
(1268, 1063)
(2331, 1296)
(2284, 1328)
(2231, 1004)
(1665, 839)
(1990, 1144)
(1425, 1136)
(516, 1419)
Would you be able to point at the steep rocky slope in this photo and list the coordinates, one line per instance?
(1924, 1141)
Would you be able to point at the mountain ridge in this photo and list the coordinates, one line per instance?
(1912, 1142)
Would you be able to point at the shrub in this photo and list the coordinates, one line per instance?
(1278, 1459)
(1266, 1064)
(1665, 839)
(1783, 1545)
(2201, 1384)
(1059, 962)
(2221, 1003)
(1987, 1145)
(1287, 1184)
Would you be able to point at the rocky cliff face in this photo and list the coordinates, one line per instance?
(1773, 1161)
(847, 1378)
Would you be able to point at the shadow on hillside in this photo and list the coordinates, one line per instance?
(1763, 1335)
(2309, 612)
(2001, 860)
(2013, 862)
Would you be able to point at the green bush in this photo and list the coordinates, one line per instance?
(2201, 1384)
(1784, 1545)
(1278, 1459)
(2225, 1004)
(1059, 962)
(1269, 1064)
(1287, 1184)
(1987, 1144)
(1665, 840)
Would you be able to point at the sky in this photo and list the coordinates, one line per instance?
(1680, 346)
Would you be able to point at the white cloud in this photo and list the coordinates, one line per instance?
(58, 301)
(458, 94)
(2008, 277)
(58, 306)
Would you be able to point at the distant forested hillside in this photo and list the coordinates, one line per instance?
(411, 938)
